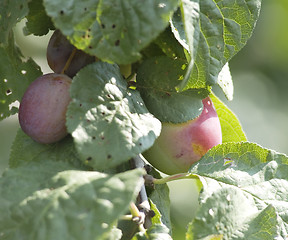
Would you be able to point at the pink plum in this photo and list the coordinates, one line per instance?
(42, 111)
(181, 145)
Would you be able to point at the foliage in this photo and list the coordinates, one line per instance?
(56, 201)
(244, 193)
(82, 187)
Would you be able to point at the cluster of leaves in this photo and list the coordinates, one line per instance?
(80, 187)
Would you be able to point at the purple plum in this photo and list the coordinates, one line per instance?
(42, 111)
(59, 50)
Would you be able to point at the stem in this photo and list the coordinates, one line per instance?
(174, 177)
(134, 210)
(128, 217)
(137, 216)
(67, 64)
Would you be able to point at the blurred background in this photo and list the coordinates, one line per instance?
(260, 76)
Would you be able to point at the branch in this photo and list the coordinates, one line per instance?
(142, 199)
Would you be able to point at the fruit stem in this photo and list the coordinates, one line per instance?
(174, 177)
(128, 217)
(67, 64)
(134, 210)
(137, 216)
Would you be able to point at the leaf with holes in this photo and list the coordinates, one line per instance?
(109, 123)
(114, 31)
(15, 77)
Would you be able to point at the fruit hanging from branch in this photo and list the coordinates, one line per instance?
(181, 145)
(63, 57)
(42, 111)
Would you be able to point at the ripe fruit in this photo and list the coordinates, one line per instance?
(42, 111)
(59, 50)
(181, 145)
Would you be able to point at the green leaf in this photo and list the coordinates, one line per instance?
(38, 23)
(109, 123)
(231, 128)
(114, 234)
(247, 176)
(225, 82)
(15, 76)
(185, 26)
(51, 200)
(11, 12)
(114, 31)
(169, 45)
(156, 232)
(159, 199)
(237, 212)
(25, 149)
(225, 27)
(156, 80)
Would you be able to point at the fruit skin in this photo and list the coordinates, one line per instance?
(181, 145)
(42, 111)
(58, 52)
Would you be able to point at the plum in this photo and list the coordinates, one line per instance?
(42, 111)
(59, 50)
(181, 145)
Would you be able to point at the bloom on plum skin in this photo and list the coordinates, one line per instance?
(42, 111)
(181, 145)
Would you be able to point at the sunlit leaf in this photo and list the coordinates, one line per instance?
(109, 122)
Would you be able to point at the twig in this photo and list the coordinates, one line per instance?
(142, 199)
